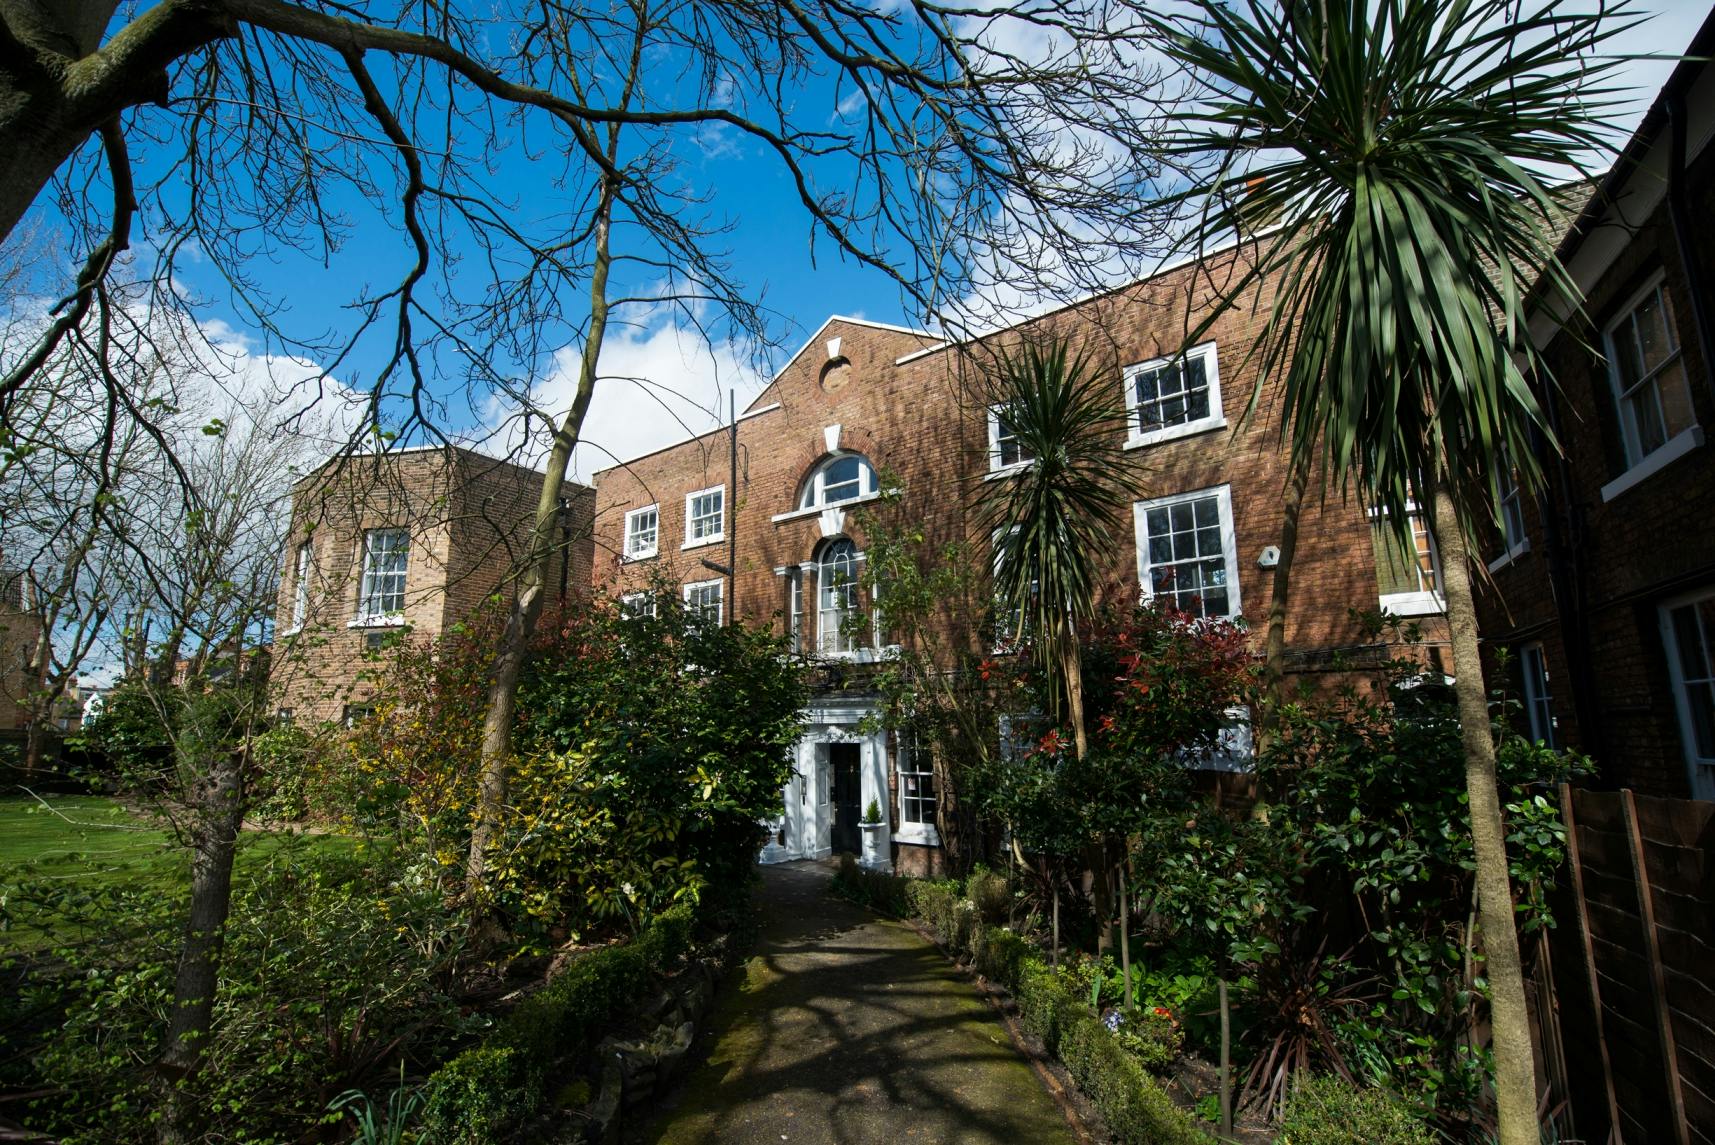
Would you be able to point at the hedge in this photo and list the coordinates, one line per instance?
(1138, 1111)
(490, 1089)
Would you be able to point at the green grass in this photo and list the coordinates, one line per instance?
(94, 842)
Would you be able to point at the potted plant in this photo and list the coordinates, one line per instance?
(873, 857)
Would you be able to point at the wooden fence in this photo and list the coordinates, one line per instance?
(1633, 967)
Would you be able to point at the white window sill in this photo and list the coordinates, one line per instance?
(1510, 556)
(995, 473)
(818, 510)
(917, 834)
(288, 633)
(1173, 433)
(703, 542)
(632, 558)
(389, 620)
(855, 656)
(1671, 450)
(1414, 604)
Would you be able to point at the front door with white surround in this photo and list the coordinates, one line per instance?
(837, 771)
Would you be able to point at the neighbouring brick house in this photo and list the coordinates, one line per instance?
(404, 541)
(862, 400)
(1604, 585)
(20, 628)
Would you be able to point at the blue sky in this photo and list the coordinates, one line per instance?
(770, 251)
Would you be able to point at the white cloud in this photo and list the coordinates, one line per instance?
(658, 385)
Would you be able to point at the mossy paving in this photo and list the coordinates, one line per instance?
(850, 1029)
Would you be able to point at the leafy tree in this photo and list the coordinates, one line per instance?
(942, 681)
(1400, 146)
(650, 750)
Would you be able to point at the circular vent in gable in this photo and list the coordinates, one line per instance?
(835, 375)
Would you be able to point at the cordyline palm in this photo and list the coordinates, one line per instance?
(1053, 521)
(1398, 146)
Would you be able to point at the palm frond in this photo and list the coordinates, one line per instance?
(1405, 148)
(1053, 523)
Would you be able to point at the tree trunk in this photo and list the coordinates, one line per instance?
(214, 839)
(1515, 1068)
(527, 605)
(1072, 666)
(1125, 936)
(1226, 1061)
(1274, 657)
(35, 744)
(1054, 953)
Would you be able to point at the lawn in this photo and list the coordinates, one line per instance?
(90, 842)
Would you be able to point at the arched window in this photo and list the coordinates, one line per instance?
(841, 478)
(836, 597)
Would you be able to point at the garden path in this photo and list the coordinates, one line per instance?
(845, 1029)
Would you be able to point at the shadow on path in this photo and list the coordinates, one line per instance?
(847, 1029)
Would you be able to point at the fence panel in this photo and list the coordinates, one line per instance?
(1644, 885)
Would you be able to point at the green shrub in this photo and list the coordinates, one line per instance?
(989, 893)
(1328, 1111)
(999, 955)
(1054, 1007)
(486, 1091)
(1149, 1034)
(334, 960)
(1137, 1110)
(1045, 1005)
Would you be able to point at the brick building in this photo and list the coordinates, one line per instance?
(20, 629)
(404, 541)
(861, 400)
(1604, 585)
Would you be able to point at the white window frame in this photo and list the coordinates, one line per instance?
(1538, 698)
(828, 644)
(1509, 511)
(719, 585)
(996, 464)
(1424, 602)
(302, 563)
(639, 604)
(1700, 770)
(691, 540)
(642, 553)
(1229, 540)
(1640, 465)
(1216, 418)
(815, 496)
(367, 614)
(923, 833)
(795, 608)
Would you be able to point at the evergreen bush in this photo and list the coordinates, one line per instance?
(1329, 1111)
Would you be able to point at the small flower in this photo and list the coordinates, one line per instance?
(1113, 1021)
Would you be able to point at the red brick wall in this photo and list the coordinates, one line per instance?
(920, 421)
